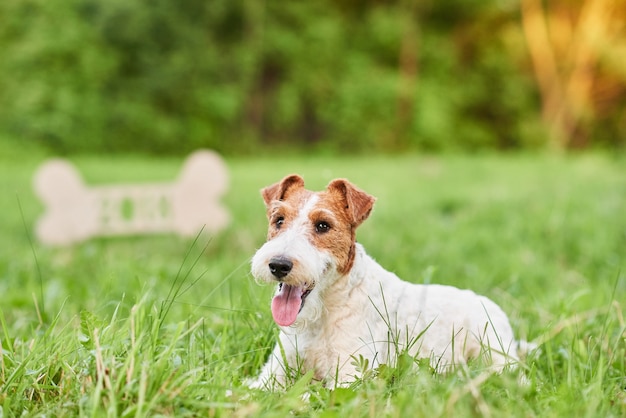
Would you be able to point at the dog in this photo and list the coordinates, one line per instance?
(334, 304)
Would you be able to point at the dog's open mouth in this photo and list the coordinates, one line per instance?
(288, 302)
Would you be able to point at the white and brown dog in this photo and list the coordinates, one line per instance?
(334, 303)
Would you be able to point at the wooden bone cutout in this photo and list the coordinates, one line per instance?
(75, 212)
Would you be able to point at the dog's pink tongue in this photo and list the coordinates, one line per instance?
(286, 304)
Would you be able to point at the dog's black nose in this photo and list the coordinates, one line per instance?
(280, 267)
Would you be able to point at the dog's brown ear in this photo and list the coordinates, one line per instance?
(358, 203)
(280, 190)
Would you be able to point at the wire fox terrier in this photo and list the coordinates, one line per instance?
(334, 303)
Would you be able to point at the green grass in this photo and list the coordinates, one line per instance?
(161, 325)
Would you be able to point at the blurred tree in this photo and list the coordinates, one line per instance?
(578, 50)
(372, 75)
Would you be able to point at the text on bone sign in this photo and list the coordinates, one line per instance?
(136, 210)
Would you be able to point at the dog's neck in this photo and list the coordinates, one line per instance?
(346, 302)
(341, 288)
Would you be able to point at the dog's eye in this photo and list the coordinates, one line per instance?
(279, 222)
(322, 227)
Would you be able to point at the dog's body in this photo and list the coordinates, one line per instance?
(334, 303)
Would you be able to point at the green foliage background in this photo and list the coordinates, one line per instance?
(241, 76)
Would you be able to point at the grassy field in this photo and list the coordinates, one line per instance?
(160, 325)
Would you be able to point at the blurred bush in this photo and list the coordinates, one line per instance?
(241, 76)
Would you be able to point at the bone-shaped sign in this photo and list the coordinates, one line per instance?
(76, 212)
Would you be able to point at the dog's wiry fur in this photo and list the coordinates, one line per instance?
(334, 303)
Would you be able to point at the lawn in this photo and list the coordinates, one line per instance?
(161, 325)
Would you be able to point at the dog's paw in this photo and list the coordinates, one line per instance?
(525, 348)
(256, 384)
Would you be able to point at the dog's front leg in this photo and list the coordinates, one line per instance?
(342, 376)
(273, 373)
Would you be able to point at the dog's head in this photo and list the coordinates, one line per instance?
(310, 242)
